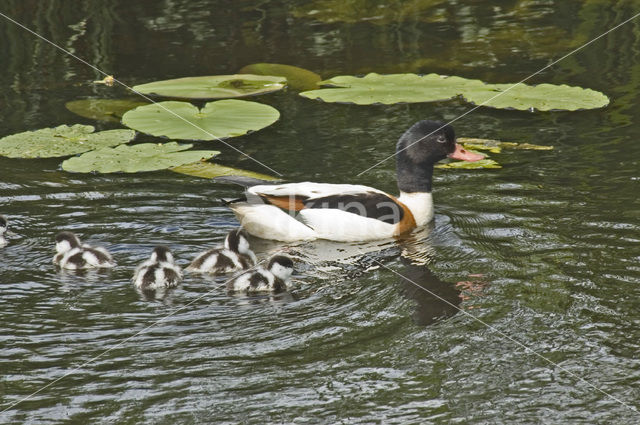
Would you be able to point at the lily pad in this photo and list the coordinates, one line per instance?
(63, 140)
(213, 86)
(297, 78)
(496, 146)
(392, 88)
(136, 158)
(210, 170)
(466, 165)
(410, 88)
(217, 120)
(109, 110)
(543, 97)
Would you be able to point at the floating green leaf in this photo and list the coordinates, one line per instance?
(398, 88)
(496, 146)
(213, 86)
(210, 170)
(543, 97)
(217, 120)
(392, 88)
(63, 140)
(483, 163)
(132, 159)
(110, 110)
(297, 78)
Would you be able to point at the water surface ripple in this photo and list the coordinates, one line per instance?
(544, 250)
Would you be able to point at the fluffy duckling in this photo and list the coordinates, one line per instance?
(236, 255)
(274, 278)
(3, 229)
(74, 255)
(159, 271)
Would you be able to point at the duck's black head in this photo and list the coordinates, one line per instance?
(419, 148)
(66, 241)
(281, 266)
(237, 241)
(3, 224)
(162, 253)
(70, 237)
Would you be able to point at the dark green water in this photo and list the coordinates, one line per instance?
(550, 242)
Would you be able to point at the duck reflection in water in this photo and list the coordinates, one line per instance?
(436, 299)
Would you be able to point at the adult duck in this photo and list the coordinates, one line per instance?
(346, 212)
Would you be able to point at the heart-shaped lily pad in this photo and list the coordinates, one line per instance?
(63, 140)
(210, 170)
(109, 110)
(392, 88)
(217, 120)
(297, 78)
(132, 159)
(398, 88)
(213, 86)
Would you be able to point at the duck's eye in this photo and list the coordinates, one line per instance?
(441, 139)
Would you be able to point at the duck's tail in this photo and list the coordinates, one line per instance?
(229, 201)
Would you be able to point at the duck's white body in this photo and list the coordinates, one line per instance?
(292, 221)
(86, 257)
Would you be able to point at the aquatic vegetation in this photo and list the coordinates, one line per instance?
(227, 118)
(210, 170)
(136, 158)
(297, 78)
(63, 140)
(483, 163)
(109, 110)
(392, 88)
(216, 120)
(213, 86)
(496, 146)
(543, 97)
(411, 88)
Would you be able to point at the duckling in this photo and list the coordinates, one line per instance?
(74, 255)
(3, 229)
(159, 271)
(236, 255)
(274, 278)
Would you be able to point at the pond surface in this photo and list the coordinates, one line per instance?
(542, 254)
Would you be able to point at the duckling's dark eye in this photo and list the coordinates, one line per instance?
(441, 139)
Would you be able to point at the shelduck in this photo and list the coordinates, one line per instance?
(346, 212)
(159, 271)
(236, 254)
(3, 228)
(74, 255)
(275, 277)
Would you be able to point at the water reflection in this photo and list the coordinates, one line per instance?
(162, 295)
(436, 299)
